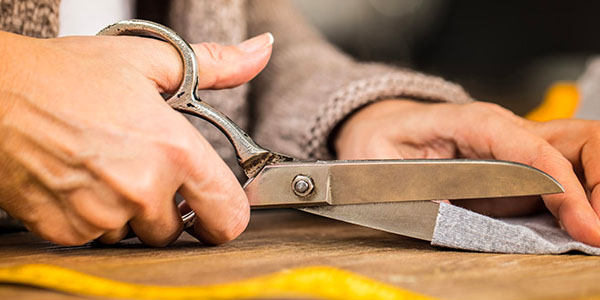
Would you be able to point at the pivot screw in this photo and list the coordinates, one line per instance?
(302, 185)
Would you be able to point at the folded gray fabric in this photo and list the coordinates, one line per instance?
(463, 229)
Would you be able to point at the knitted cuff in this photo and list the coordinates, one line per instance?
(37, 18)
(356, 94)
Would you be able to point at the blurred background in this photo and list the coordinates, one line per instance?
(508, 52)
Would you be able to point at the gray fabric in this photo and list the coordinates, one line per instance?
(589, 89)
(463, 229)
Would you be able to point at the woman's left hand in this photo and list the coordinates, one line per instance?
(565, 149)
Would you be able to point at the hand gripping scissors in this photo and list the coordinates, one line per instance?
(389, 195)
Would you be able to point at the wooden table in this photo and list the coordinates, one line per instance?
(279, 239)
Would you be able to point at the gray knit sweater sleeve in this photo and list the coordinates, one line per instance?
(310, 86)
(35, 18)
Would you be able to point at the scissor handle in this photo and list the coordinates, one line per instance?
(251, 157)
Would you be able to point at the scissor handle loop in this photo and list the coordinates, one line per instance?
(185, 98)
(250, 156)
(147, 28)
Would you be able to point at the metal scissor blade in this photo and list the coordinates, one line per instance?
(357, 182)
(414, 219)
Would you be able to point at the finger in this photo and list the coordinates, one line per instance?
(501, 138)
(220, 66)
(579, 142)
(224, 67)
(591, 167)
(45, 215)
(368, 145)
(213, 192)
(58, 226)
(158, 224)
(571, 207)
(114, 236)
(567, 136)
(378, 150)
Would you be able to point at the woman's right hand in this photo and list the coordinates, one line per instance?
(89, 149)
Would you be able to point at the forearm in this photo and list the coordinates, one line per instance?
(310, 86)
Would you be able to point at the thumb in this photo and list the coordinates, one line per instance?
(219, 66)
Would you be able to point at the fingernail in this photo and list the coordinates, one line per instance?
(256, 43)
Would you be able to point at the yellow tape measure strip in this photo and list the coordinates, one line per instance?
(319, 282)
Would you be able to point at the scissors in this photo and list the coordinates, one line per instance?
(389, 195)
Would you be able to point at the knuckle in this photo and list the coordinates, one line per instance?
(595, 129)
(549, 159)
(225, 234)
(213, 51)
(106, 224)
(100, 219)
(63, 235)
(66, 182)
(159, 243)
(488, 108)
(167, 234)
(177, 147)
(231, 229)
(149, 210)
(72, 240)
(109, 240)
(114, 236)
(491, 115)
(213, 58)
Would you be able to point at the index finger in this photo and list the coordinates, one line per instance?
(212, 191)
(501, 138)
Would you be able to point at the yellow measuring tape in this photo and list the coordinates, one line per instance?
(315, 282)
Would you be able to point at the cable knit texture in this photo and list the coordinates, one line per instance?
(37, 18)
(310, 86)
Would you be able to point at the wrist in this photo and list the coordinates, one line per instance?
(357, 125)
(17, 67)
(15, 51)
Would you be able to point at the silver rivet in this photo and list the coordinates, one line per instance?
(302, 185)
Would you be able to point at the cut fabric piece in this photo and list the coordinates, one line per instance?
(459, 228)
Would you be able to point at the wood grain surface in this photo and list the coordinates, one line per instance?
(280, 239)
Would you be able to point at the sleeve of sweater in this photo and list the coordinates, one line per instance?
(310, 86)
(37, 18)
